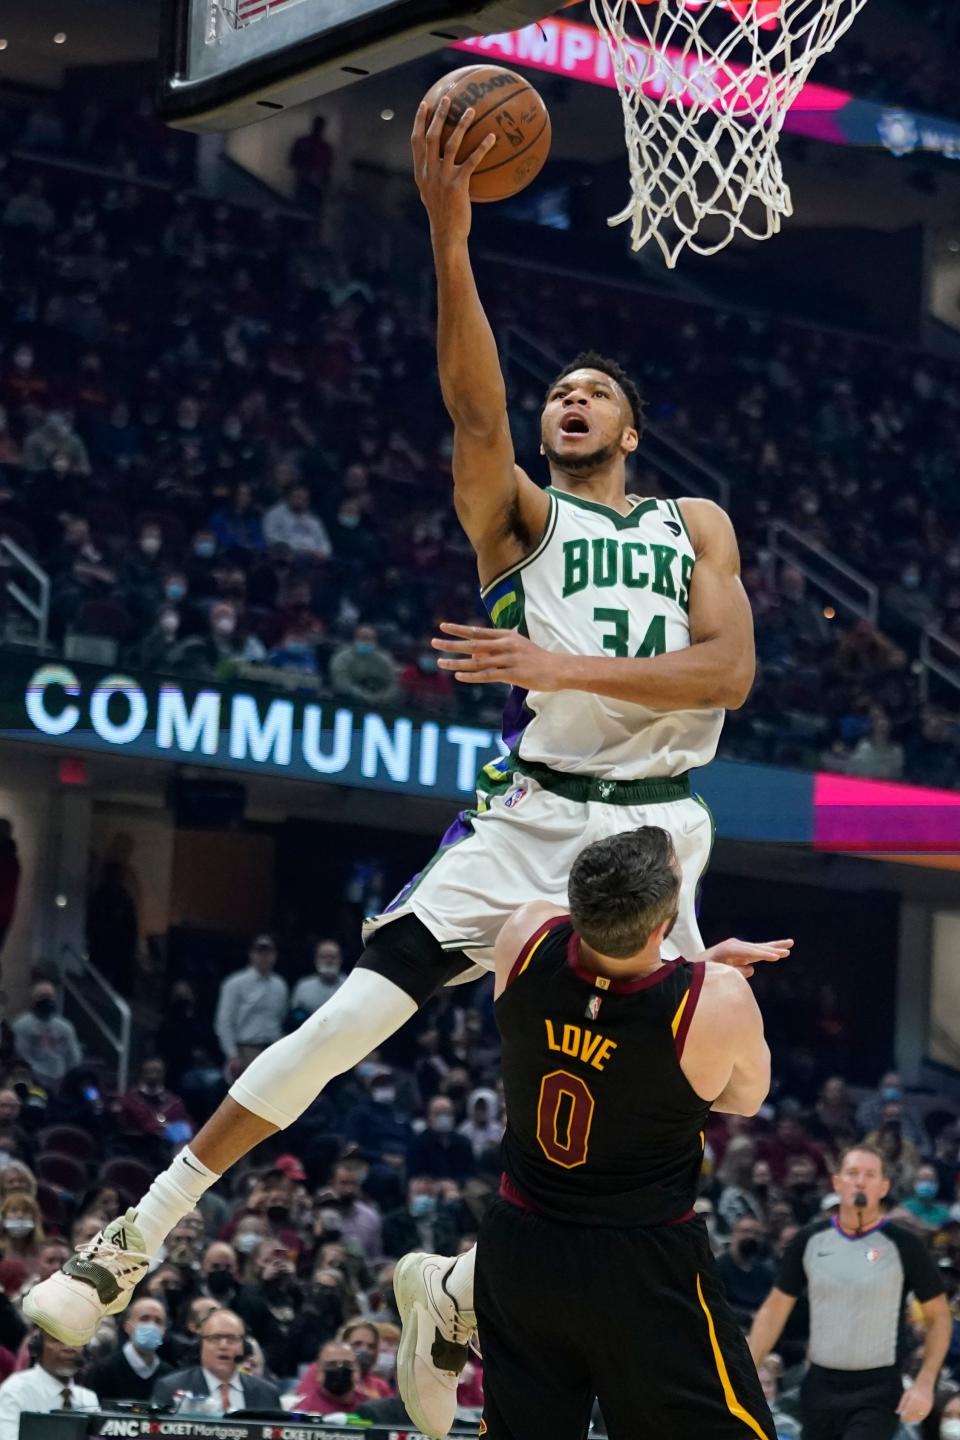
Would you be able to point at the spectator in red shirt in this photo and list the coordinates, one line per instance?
(335, 1385)
(151, 1109)
(425, 687)
(788, 1140)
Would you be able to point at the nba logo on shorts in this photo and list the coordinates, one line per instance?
(515, 796)
(593, 1007)
(873, 1256)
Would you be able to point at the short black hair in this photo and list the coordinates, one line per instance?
(622, 888)
(591, 360)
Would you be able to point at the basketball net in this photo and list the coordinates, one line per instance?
(705, 86)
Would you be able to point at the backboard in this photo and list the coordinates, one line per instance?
(226, 63)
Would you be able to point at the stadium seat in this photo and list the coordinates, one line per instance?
(67, 1140)
(127, 1175)
(64, 1172)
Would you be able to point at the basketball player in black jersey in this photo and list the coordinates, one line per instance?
(594, 1278)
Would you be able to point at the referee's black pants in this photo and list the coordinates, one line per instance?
(850, 1404)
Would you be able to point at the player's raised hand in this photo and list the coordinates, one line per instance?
(444, 184)
(485, 656)
(744, 955)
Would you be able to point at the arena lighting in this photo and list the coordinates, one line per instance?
(60, 38)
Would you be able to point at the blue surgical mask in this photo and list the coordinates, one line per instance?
(175, 591)
(891, 1093)
(148, 1335)
(423, 1207)
(925, 1189)
(363, 647)
(205, 548)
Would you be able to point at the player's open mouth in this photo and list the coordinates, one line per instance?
(574, 425)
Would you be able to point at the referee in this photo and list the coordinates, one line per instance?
(858, 1269)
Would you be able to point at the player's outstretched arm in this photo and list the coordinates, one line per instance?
(726, 1059)
(499, 507)
(715, 672)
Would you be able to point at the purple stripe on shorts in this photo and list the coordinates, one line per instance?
(459, 830)
(516, 717)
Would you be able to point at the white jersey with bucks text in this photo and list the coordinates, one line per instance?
(601, 583)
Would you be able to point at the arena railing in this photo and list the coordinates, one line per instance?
(845, 587)
(106, 1011)
(21, 569)
(939, 656)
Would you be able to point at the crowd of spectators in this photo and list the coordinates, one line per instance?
(276, 1292)
(225, 443)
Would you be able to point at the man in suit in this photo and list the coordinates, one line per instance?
(131, 1372)
(218, 1376)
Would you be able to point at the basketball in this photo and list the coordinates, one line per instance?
(507, 106)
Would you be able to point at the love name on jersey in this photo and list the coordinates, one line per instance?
(580, 1043)
(606, 562)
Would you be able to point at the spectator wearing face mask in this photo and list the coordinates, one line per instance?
(219, 1273)
(362, 672)
(359, 1221)
(141, 575)
(922, 1210)
(272, 1303)
(335, 1384)
(483, 1127)
(420, 1224)
(22, 1229)
(326, 1301)
(224, 647)
(162, 648)
(315, 990)
(425, 687)
(131, 1372)
(363, 1337)
(378, 1126)
(745, 1268)
(871, 1112)
(45, 1040)
(201, 564)
(439, 1151)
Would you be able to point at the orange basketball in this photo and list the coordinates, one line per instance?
(507, 105)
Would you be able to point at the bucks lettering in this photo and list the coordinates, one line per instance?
(606, 561)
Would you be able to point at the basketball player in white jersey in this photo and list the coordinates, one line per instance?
(625, 631)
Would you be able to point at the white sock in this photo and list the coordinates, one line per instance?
(284, 1080)
(173, 1194)
(459, 1282)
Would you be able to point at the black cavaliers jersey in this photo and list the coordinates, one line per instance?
(603, 1127)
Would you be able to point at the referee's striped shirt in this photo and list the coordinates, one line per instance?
(857, 1285)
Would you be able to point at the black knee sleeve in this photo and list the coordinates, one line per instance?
(405, 952)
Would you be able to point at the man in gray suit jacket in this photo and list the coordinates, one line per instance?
(218, 1376)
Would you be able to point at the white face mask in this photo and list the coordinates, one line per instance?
(950, 1428)
(247, 1242)
(18, 1227)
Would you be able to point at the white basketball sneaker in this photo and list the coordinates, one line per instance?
(98, 1280)
(434, 1346)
